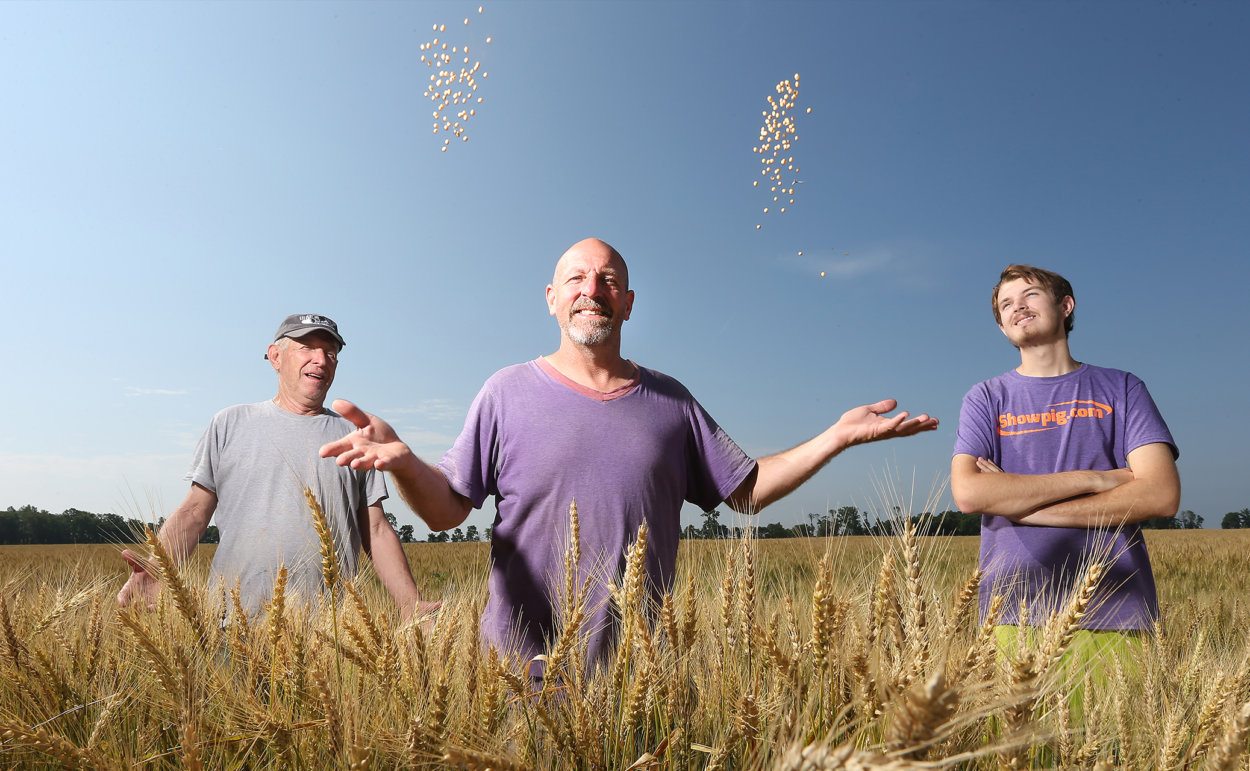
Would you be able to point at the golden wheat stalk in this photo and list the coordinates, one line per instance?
(1063, 627)
(916, 619)
(573, 559)
(728, 608)
(15, 734)
(746, 594)
(1232, 745)
(821, 639)
(325, 538)
(366, 617)
(470, 760)
(631, 603)
(162, 668)
(920, 714)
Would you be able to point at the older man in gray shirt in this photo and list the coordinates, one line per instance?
(251, 468)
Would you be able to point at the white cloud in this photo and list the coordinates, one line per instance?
(136, 391)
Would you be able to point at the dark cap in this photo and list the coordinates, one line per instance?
(300, 324)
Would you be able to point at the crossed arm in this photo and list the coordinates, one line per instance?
(1149, 487)
(776, 476)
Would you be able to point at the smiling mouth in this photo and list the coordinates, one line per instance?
(593, 310)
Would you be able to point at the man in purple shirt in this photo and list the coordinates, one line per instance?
(585, 424)
(1062, 460)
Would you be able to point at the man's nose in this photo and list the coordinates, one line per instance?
(592, 286)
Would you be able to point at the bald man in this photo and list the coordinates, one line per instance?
(585, 424)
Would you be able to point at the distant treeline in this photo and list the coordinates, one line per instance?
(849, 520)
(29, 525)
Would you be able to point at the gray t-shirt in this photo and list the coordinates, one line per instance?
(257, 459)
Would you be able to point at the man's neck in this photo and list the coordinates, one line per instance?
(295, 407)
(599, 368)
(1049, 360)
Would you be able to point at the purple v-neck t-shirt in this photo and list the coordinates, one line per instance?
(537, 441)
(1090, 418)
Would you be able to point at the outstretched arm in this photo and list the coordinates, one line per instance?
(980, 487)
(181, 532)
(1154, 491)
(389, 562)
(776, 476)
(374, 444)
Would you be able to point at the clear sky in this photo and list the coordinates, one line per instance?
(175, 178)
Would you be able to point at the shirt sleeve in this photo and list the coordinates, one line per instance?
(975, 434)
(469, 465)
(1143, 422)
(375, 488)
(718, 465)
(204, 461)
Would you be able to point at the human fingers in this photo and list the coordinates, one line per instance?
(987, 465)
(339, 449)
(357, 416)
(133, 560)
(129, 590)
(922, 422)
(883, 406)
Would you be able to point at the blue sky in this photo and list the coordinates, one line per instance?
(177, 177)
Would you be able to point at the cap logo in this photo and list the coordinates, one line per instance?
(320, 321)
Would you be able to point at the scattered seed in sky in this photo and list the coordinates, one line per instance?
(451, 89)
(776, 141)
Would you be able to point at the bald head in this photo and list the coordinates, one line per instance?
(589, 294)
(597, 251)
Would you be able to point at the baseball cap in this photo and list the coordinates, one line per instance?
(300, 324)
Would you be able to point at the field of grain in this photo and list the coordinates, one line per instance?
(848, 653)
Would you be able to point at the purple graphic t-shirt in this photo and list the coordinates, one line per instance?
(1091, 418)
(536, 442)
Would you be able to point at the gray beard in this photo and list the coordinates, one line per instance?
(595, 334)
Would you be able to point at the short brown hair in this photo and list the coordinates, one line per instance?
(1055, 283)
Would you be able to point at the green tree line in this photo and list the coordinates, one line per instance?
(850, 520)
(30, 525)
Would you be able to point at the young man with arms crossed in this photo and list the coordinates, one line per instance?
(1062, 459)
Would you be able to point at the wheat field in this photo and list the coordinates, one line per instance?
(854, 653)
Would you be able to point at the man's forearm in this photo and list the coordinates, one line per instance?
(186, 525)
(1131, 502)
(998, 493)
(776, 476)
(1154, 491)
(1003, 494)
(428, 494)
(391, 565)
